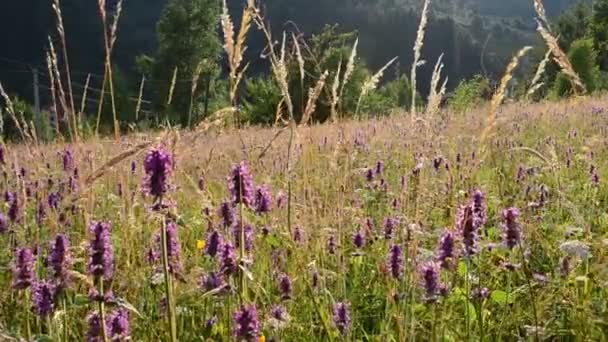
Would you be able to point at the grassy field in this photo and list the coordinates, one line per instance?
(392, 231)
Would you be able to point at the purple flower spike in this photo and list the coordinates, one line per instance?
(263, 200)
(369, 175)
(23, 269)
(214, 243)
(395, 261)
(174, 249)
(285, 286)
(94, 331)
(158, 166)
(359, 239)
(228, 259)
(101, 253)
(429, 277)
(60, 259)
(511, 227)
(227, 213)
(246, 327)
(118, 325)
(445, 250)
(390, 224)
(342, 318)
(379, 167)
(236, 232)
(240, 184)
(68, 160)
(14, 210)
(43, 298)
(213, 281)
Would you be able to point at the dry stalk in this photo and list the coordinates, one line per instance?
(418, 51)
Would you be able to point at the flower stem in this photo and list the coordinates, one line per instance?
(102, 314)
(168, 286)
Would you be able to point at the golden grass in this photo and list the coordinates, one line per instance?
(418, 51)
(313, 96)
(536, 83)
(372, 83)
(437, 92)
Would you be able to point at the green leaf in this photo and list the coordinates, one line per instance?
(80, 300)
(462, 269)
(499, 297)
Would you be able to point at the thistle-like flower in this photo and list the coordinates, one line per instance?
(228, 263)
(158, 166)
(23, 269)
(246, 324)
(342, 318)
(240, 184)
(511, 228)
(101, 253)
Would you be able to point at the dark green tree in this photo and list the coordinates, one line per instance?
(583, 58)
(187, 40)
(599, 31)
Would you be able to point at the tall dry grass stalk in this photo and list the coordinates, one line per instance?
(418, 51)
(235, 48)
(60, 89)
(10, 108)
(334, 93)
(49, 65)
(500, 93)
(561, 59)
(542, 14)
(83, 101)
(140, 97)
(61, 31)
(536, 83)
(109, 38)
(372, 83)
(172, 87)
(437, 92)
(313, 96)
(299, 58)
(348, 71)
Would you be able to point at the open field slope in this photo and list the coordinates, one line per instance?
(390, 230)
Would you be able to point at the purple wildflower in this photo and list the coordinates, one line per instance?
(342, 317)
(369, 175)
(133, 167)
(3, 223)
(14, 210)
(379, 167)
(228, 259)
(60, 259)
(480, 293)
(240, 184)
(174, 249)
(429, 276)
(511, 228)
(479, 208)
(23, 269)
(390, 223)
(465, 224)
(53, 200)
(359, 239)
(201, 184)
(263, 200)
(298, 235)
(68, 160)
(227, 213)
(158, 166)
(395, 261)
(445, 250)
(213, 281)
(43, 298)
(214, 243)
(101, 256)
(247, 327)
(278, 317)
(118, 325)
(94, 331)
(285, 286)
(248, 231)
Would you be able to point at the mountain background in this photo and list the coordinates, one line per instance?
(476, 36)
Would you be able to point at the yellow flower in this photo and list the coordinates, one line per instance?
(262, 338)
(200, 244)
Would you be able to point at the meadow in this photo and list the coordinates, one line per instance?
(366, 230)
